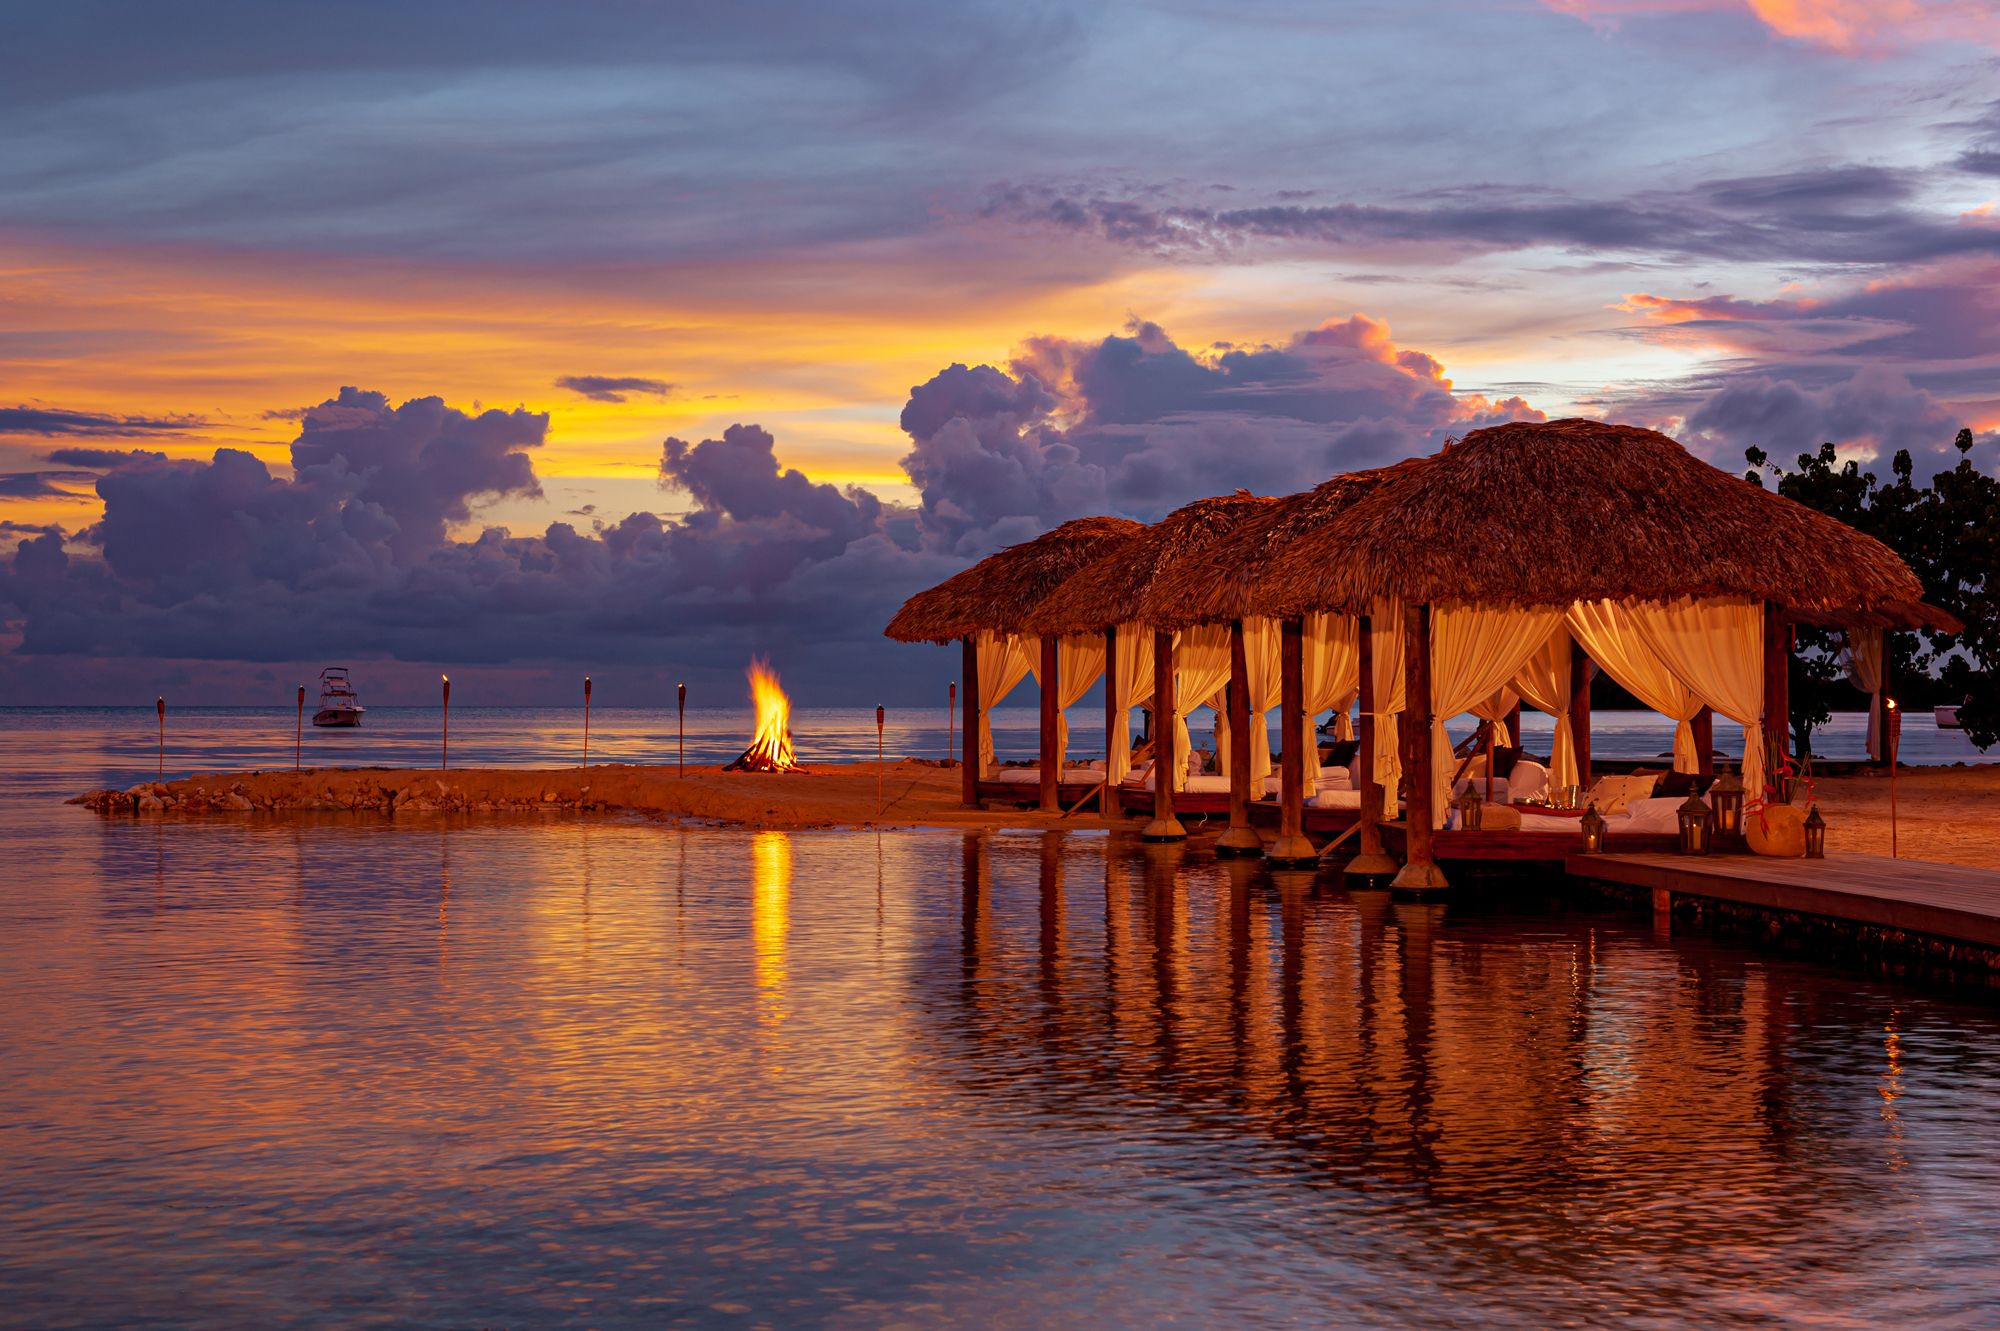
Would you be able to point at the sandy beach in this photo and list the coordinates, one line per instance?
(1946, 814)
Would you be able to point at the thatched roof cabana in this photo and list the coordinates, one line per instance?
(1111, 590)
(1547, 513)
(1211, 584)
(999, 592)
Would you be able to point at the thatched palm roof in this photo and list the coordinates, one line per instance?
(1112, 589)
(999, 592)
(1534, 514)
(1211, 585)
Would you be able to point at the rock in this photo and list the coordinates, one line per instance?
(237, 801)
(549, 796)
(150, 803)
(1777, 830)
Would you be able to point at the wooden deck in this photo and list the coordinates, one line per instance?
(1947, 901)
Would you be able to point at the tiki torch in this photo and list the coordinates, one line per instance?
(684, 729)
(586, 720)
(160, 706)
(950, 735)
(878, 757)
(299, 736)
(444, 753)
(1893, 740)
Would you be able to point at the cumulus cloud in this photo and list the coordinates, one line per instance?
(613, 388)
(1135, 424)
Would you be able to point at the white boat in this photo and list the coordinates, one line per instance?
(338, 705)
(1947, 716)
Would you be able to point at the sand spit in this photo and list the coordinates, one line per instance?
(1947, 814)
(914, 791)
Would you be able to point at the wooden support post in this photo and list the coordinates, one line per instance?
(1240, 838)
(1777, 688)
(1373, 861)
(1292, 846)
(1113, 716)
(969, 773)
(1419, 872)
(1579, 710)
(1703, 727)
(1164, 827)
(1050, 761)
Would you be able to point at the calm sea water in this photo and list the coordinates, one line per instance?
(566, 1071)
(67, 749)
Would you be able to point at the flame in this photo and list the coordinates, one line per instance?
(771, 744)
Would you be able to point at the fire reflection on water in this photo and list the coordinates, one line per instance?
(770, 919)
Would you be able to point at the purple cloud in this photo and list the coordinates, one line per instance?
(89, 424)
(609, 388)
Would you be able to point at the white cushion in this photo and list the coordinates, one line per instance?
(1527, 780)
(1500, 788)
(1032, 776)
(1207, 783)
(1661, 813)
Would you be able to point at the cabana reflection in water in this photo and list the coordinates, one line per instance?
(1507, 568)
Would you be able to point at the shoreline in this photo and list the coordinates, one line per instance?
(1947, 815)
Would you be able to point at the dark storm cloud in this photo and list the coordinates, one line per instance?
(1843, 214)
(612, 388)
(1136, 425)
(89, 424)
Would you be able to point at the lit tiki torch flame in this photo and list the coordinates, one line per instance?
(771, 745)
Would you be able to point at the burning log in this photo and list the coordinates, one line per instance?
(771, 745)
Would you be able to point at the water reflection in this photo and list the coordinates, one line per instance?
(590, 1071)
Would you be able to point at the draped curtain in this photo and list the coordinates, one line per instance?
(1609, 636)
(1385, 629)
(1131, 683)
(1003, 663)
(1863, 661)
(1495, 709)
(1543, 682)
(1715, 648)
(1332, 655)
(1474, 651)
(1079, 661)
(1201, 667)
(1261, 654)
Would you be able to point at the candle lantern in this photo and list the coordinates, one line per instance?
(1593, 831)
(1469, 812)
(1727, 796)
(1697, 826)
(1815, 834)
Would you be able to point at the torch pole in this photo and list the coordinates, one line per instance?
(684, 729)
(444, 751)
(878, 758)
(950, 723)
(586, 720)
(1893, 740)
(160, 706)
(299, 736)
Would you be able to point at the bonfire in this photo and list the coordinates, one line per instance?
(771, 744)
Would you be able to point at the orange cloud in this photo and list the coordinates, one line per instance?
(1852, 27)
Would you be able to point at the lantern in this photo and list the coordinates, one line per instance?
(1727, 795)
(1697, 826)
(1468, 811)
(1593, 831)
(1815, 834)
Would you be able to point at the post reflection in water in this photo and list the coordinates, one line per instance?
(592, 1071)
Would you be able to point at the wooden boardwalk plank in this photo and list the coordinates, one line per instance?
(1945, 900)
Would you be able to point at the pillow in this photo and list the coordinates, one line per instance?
(1528, 779)
(1611, 794)
(1339, 753)
(1661, 813)
(1499, 818)
(1683, 784)
(1197, 762)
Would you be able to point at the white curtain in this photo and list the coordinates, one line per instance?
(1863, 661)
(1201, 667)
(1606, 630)
(1219, 704)
(1003, 663)
(1544, 683)
(1131, 683)
(1495, 709)
(1079, 661)
(1385, 628)
(1716, 649)
(1261, 640)
(1474, 650)
(1332, 654)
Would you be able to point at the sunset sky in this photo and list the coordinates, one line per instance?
(525, 339)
